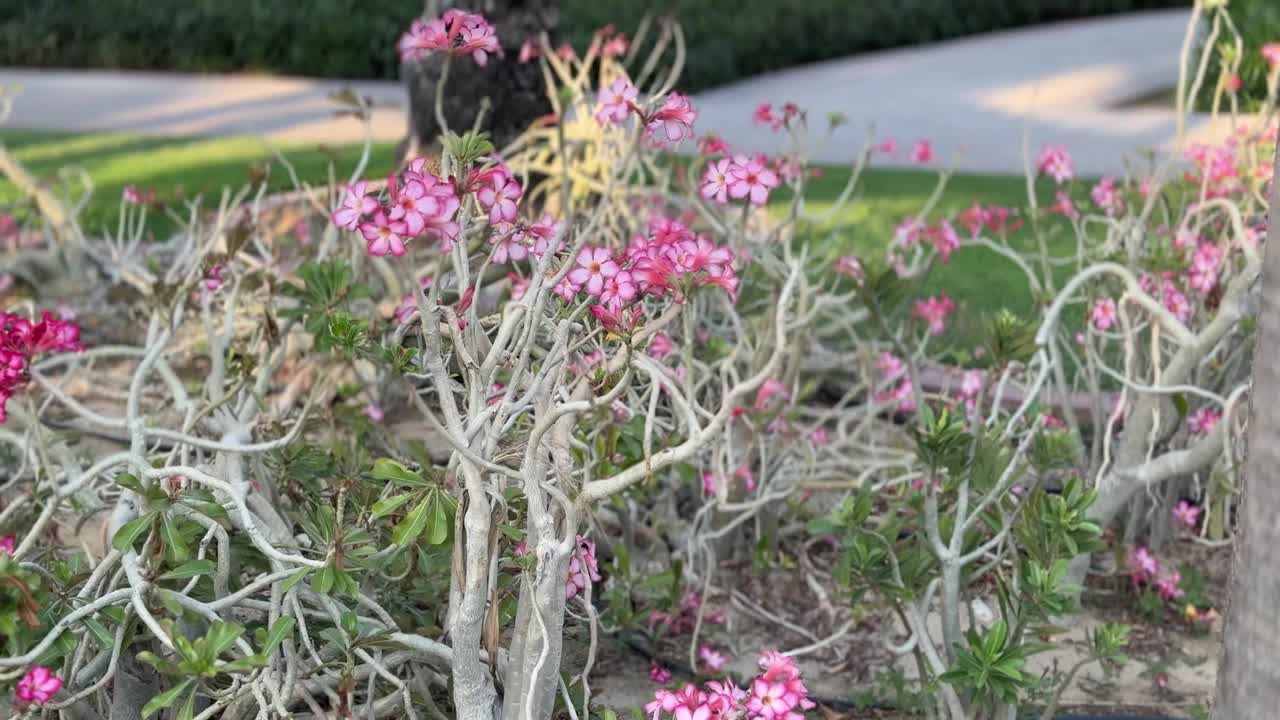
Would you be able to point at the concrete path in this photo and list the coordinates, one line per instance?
(973, 98)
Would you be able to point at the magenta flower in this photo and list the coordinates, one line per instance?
(385, 237)
(888, 146)
(583, 568)
(1107, 196)
(1203, 420)
(455, 32)
(594, 266)
(355, 205)
(500, 198)
(374, 413)
(851, 266)
(1271, 53)
(1143, 564)
(715, 181)
(675, 119)
(412, 205)
(1203, 274)
(1055, 162)
(747, 477)
(38, 686)
(1186, 514)
(618, 290)
(616, 102)
(712, 658)
(528, 51)
(422, 39)
(7, 544)
(1064, 206)
(945, 240)
(1175, 301)
(477, 39)
(922, 152)
(763, 115)
(751, 178)
(1103, 314)
(661, 346)
(213, 279)
(771, 389)
(1167, 586)
(820, 437)
(934, 310)
(709, 483)
(659, 674)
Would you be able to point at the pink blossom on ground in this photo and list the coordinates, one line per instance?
(1055, 162)
(616, 102)
(1203, 420)
(716, 179)
(38, 686)
(922, 152)
(7, 544)
(934, 310)
(1143, 564)
(374, 413)
(771, 389)
(1167, 586)
(712, 658)
(355, 205)
(674, 119)
(751, 178)
(659, 674)
(1106, 196)
(1103, 314)
(1186, 514)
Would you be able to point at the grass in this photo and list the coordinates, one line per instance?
(979, 280)
(175, 168)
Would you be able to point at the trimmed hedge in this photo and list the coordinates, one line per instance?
(728, 39)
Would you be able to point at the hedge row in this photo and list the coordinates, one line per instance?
(728, 39)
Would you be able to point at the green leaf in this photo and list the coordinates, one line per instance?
(164, 699)
(294, 579)
(100, 633)
(322, 582)
(392, 471)
(440, 521)
(155, 661)
(130, 482)
(244, 664)
(386, 506)
(1180, 403)
(280, 630)
(188, 710)
(173, 541)
(125, 537)
(190, 569)
(222, 636)
(413, 524)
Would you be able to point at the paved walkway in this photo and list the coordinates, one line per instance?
(973, 98)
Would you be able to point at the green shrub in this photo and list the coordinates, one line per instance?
(1258, 22)
(728, 39)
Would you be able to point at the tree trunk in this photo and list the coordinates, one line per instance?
(1249, 676)
(515, 91)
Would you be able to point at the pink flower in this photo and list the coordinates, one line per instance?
(1203, 275)
(945, 239)
(213, 279)
(748, 478)
(675, 118)
(355, 205)
(1186, 514)
(616, 102)
(422, 39)
(38, 686)
(1104, 313)
(1143, 564)
(1203, 420)
(888, 146)
(614, 317)
(411, 205)
(659, 674)
(1055, 162)
(583, 568)
(1167, 586)
(709, 483)
(661, 346)
(594, 266)
(1064, 206)
(500, 198)
(934, 310)
(385, 237)
(132, 195)
(712, 145)
(922, 152)
(528, 51)
(373, 412)
(566, 52)
(772, 388)
(1271, 53)
(1176, 302)
(820, 437)
(1107, 196)
(851, 266)
(712, 658)
(7, 544)
(615, 46)
(715, 181)
(750, 177)
(519, 286)
(763, 115)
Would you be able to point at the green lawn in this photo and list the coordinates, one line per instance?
(980, 281)
(175, 168)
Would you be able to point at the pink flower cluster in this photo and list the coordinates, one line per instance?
(583, 568)
(1165, 289)
(417, 204)
(777, 693)
(455, 32)
(1055, 162)
(934, 311)
(1107, 196)
(7, 544)
(38, 686)
(1186, 514)
(764, 115)
(1203, 421)
(1145, 570)
(1103, 314)
(673, 121)
(683, 621)
(21, 341)
(894, 373)
(739, 177)
(994, 219)
(1205, 265)
(1271, 53)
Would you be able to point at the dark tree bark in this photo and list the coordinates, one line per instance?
(1249, 676)
(515, 91)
